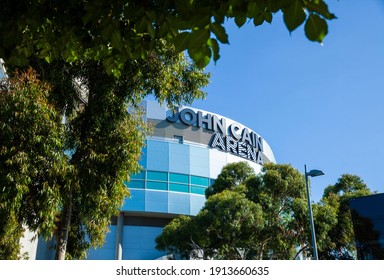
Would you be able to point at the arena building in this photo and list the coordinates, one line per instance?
(182, 157)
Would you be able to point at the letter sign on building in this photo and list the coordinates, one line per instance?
(233, 139)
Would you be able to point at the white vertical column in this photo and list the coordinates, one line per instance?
(119, 236)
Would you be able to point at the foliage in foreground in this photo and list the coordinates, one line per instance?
(114, 32)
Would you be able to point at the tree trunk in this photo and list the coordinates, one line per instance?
(63, 230)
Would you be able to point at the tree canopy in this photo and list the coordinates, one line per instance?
(339, 243)
(246, 216)
(115, 32)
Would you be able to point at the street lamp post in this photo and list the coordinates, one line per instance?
(312, 173)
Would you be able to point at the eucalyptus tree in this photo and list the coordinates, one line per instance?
(32, 165)
(246, 216)
(340, 240)
(228, 227)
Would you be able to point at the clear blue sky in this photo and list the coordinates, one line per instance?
(320, 105)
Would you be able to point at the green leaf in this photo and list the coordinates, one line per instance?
(151, 30)
(198, 37)
(200, 20)
(201, 56)
(268, 16)
(48, 59)
(276, 5)
(141, 25)
(294, 15)
(220, 32)
(240, 21)
(219, 17)
(321, 8)
(316, 28)
(181, 41)
(107, 32)
(214, 45)
(116, 39)
(258, 20)
(164, 29)
(253, 10)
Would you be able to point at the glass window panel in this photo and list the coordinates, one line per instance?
(156, 185)
(136, 184)
(140, 175)
(136, 202)
(179, 159)
(178, 178)
(198, 190)
(158, 176)
(157, 155)
(179, 203)
(197, 203)
(156, 201)
(178, 188)
(201, 181)
(199, 161)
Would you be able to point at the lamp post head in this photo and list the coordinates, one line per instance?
(314, 173)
